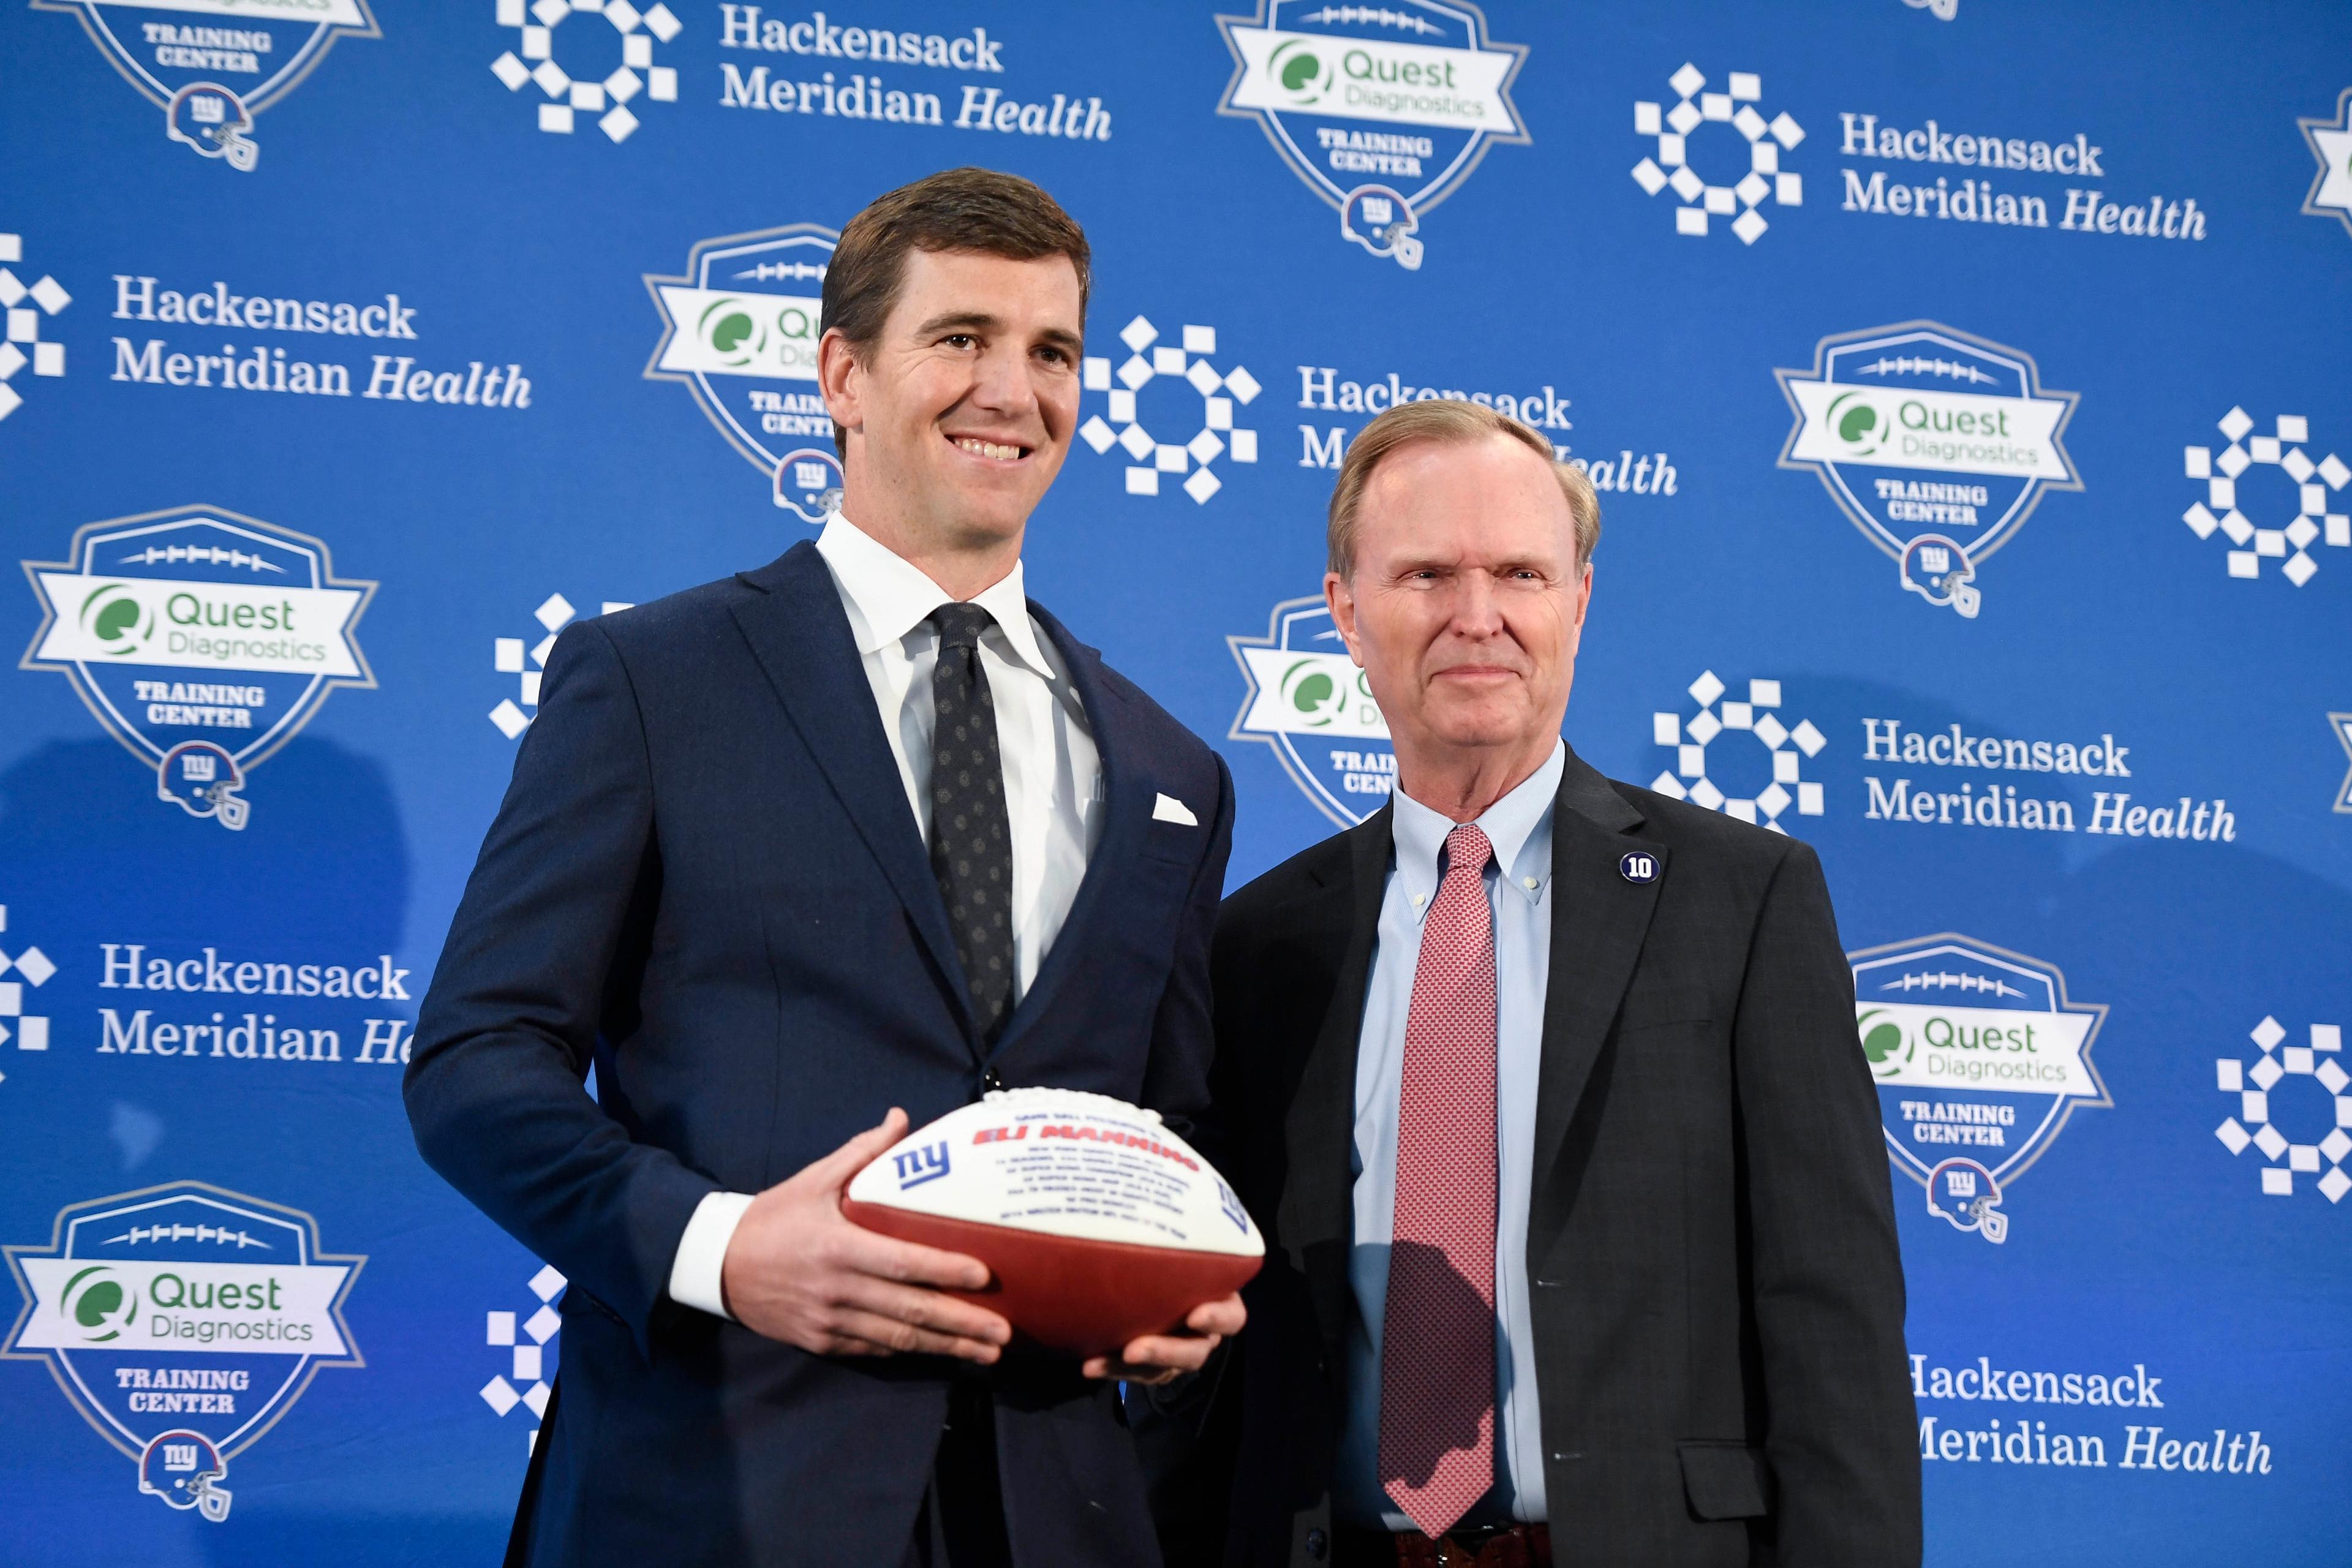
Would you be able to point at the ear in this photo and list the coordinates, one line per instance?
(1583, 595)
(841, 379)
(1339, 598)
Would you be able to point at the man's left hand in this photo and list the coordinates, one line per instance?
(1157, 1359)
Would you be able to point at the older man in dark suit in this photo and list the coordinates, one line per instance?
(1546, 1090)
(846, 839)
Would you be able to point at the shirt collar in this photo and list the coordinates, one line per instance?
(1518, 825)
(891, 595)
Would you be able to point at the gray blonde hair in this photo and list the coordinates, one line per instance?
(1453, 422)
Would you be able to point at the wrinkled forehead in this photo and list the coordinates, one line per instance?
(1485, 502)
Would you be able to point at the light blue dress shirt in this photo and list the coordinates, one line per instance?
(1518, 890)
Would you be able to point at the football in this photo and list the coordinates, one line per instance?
(1097, 1222)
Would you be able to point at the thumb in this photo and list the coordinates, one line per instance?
(838, 1168)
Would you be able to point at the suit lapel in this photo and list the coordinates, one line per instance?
(1128, 800)
(800, 634)
(1313, 1220)
(1597, 923)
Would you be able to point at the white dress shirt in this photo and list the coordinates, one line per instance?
(1518, 891)
(1052, 780)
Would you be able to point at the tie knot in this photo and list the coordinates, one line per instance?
(960, 625)
(1467, 850)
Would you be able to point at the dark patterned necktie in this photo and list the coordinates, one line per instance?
(972, 836)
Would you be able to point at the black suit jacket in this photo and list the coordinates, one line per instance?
(1717, 1299)
(706, 881)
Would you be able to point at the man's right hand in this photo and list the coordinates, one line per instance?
(796, 1270)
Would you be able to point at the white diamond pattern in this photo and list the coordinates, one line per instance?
(1764, 183)
(1758, 716)
(1150, 359)
(2315, 480)
(2287, 1160)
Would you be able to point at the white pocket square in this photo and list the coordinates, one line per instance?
(1168, 808)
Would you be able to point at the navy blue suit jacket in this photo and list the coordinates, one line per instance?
(706, 880)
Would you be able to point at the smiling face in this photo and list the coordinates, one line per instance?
(1465, 603)
(958, 413)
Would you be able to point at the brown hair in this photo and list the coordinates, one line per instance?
(1450, 421)
(958, 209)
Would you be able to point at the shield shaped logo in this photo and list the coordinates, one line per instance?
(740, 328)
(1937, 443)
(182, 1321)
(213, 65)
(1309, 701)
(1384, 110)
(202, 639)
(1980, 1057)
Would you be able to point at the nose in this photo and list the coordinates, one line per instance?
(1477, 608)
(1000, 382)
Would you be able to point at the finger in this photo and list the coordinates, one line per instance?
(835, 1169)
(892, 1336)
(1185, 1353)
(1103, 1368)
(869, 1252)
(1225, 1317)
(925, 1309)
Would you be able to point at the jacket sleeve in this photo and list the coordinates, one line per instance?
(552, 920)
(1828, 1280)
(1183, 1041)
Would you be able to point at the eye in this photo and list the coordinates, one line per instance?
(960, 341)
(1053, 355)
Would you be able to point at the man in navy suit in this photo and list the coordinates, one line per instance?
(847, 840)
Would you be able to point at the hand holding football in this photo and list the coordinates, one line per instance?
(1098, 1225)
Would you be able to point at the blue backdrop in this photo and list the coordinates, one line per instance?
(1964, 382)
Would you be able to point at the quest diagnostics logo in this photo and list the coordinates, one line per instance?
(1382, 111)
(1981, 1057)
(183, 1322)
(202, 639)
(99, 1306)
(1307, 701)
(1936, 443)
(741, 329)
(213, 66)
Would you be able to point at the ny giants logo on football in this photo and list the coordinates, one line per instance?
(1384, 110)
(182, 1321)
(741, 329)
(212, 66)
(915, 1166)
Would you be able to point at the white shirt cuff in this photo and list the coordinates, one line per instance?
(694, 1274)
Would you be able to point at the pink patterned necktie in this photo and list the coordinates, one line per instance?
(1438, 1345)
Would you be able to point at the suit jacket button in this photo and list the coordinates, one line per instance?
(991, 1082)
(1318, 1545)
